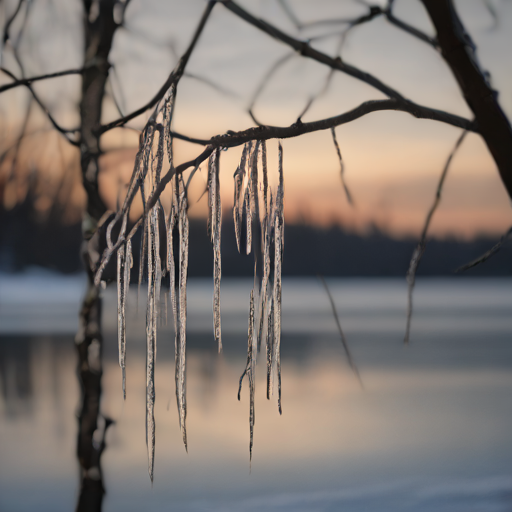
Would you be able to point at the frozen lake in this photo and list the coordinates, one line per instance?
(431, 430)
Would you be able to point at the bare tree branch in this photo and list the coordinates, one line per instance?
(10, 21)
(29, 81)
(304, 48)
(409, 28)
(173, 78)
(491, 252)
(263, 132)
(232, 139)
(459, 52)
(342, 168)
(373, 12)
(266, 77)
(52, 120)
(420, 248)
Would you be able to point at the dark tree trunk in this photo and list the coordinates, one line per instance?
(99, 28)
(459, 52)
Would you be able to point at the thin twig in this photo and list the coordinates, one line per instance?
(29, 81)
(420, 248)
(64, 131)
(344, 341)
(342, 167)
(306, 50)
(173, 78)
(491, 252)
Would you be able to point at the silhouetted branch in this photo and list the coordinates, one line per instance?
(491, 252)
(409, 28)
(420, 248)
(342, 167)
(304, 48)
(9, 22)
(173, 78)
(373, 12)
(266, 77)
(54, 123)
(29, 81)
(459, 52)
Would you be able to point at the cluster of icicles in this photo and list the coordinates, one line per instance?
(259, 226)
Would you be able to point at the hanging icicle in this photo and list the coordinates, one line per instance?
(268, 315)
(214, 228)
(279, 245)
(154, 273)
(153, 244)
(171, 266)
(239, 195)
(124, 264)
(265, 244)
(168, 112)
(181, 329)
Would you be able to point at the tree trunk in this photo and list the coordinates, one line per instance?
(99, 28)
(459, 52)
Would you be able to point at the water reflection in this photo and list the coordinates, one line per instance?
(430, 431)
(15, 375)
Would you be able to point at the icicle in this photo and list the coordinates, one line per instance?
(124, 264)
(159, 154)
(279, 244)
(150, 347)
(253, 183)
(248, 218)
(128, 264)
(250, 370)
(171, 267)
(142, 178)
(180, 350)
(238, 187)
(121, 305)
(270, 350)
(168, 115)
(158, 266)
(212, 203)
(265, 183)
(215, 221)
(265, 243)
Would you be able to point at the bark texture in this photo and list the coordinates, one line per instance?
(459, 52)
(99, 29)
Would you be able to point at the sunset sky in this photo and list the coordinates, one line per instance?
(392, 161)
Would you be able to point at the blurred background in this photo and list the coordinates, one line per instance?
(431, 426)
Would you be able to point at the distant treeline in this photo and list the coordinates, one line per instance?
(309, 250)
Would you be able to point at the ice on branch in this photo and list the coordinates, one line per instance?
(268, 220)
(214, 228)
(181, 340)
(256, 204)
(124, 265)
